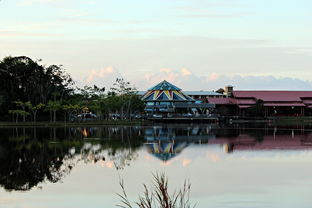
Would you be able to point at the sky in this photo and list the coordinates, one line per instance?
(195, 44)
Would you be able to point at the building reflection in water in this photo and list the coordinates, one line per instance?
(165, 142)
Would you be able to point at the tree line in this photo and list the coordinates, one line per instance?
(31, 91)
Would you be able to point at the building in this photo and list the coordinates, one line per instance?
(204, 95)
(166, 99)
(274, 103)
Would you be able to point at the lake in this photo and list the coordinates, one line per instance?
(228, 166)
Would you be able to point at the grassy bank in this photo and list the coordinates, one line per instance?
(84, 123)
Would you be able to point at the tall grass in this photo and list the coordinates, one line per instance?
(157, 196)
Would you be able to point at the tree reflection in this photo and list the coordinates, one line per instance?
(25, 165)
(27, 159)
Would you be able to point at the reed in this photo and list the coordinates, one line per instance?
(158, 196)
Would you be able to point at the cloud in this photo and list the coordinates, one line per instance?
(188, 80)
(211, 63)
(185, 72)
(103, 78)
(101, 73)
(213, 76)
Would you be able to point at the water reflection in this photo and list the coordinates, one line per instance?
(31, 156)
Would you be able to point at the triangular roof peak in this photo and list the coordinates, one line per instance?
(165, 85)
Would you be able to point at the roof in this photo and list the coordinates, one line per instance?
(166, 92)
(307, 101)
(201, 92)
(190, 93)
(164, 85)
(246, 101)
(274, 96)
(222, 101)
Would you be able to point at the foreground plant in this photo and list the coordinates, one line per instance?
(158, 196)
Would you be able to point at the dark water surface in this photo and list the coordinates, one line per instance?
(228, 166)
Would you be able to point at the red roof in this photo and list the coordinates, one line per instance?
(245, 99)
(222, 101)
(307, 101)
(274, 96)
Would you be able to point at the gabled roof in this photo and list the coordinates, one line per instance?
(164, 85)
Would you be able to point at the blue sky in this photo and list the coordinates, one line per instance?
(218, 42)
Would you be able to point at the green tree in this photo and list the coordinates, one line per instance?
(122, 87)
(22, 105)
(25, 80)
(34, 109)
(53, 107)
(126, 94)
(69, 109)
(93, 98)
(18, 113)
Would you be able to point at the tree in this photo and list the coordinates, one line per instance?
(34, 109)
(126, 93)
(93, 98)
(122, 87)
(23, 105)
(70, 109)
(220, 90)
(91, 93)
(53, 107)
(113, 104)
(18, 113)
(26, 80)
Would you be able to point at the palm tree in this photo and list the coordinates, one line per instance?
(34, 109)
(53, 107)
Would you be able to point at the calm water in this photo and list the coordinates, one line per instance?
(228, 166)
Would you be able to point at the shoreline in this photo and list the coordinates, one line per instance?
(269, 120)
(4, 124)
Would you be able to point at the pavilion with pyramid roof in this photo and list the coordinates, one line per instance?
(166, 92)
(168, 99)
